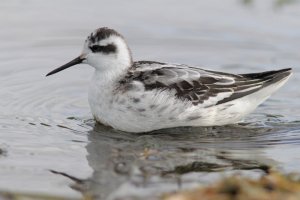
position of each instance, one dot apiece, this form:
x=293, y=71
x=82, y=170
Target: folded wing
x=200, y=87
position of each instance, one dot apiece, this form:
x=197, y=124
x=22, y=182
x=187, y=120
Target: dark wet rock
x=270, y=186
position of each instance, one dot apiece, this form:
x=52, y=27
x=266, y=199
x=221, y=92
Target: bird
x=143, y=96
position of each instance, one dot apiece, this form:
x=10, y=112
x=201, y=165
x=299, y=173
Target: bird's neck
x=110, y=75
x=109, y=68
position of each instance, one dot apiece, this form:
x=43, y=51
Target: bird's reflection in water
x=145, y=165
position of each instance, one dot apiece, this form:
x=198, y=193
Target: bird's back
x=200, y=87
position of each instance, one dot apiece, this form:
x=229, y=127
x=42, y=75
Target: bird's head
x=104, y=49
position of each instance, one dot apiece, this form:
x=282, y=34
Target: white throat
x=114, y=64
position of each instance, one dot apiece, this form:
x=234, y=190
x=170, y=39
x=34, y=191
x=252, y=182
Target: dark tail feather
x=278, y=74
x=264, y=79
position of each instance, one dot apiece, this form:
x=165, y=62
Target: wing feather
x=201, y=87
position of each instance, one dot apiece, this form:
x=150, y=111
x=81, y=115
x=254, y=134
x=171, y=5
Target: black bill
x=76, y=61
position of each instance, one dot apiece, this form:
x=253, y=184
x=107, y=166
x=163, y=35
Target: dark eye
x=96, y=48
x=110, y=48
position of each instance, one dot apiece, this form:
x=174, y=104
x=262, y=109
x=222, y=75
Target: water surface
x=46, y=128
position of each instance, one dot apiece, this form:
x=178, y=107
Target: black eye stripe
x=95, y=48
x=110, y=48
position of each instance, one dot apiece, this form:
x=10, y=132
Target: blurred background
x=46, y=124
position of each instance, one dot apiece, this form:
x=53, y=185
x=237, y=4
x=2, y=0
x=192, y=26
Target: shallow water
x=46, y=124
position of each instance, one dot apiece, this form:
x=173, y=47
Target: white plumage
x=144, y=96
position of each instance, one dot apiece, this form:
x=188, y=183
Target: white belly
x=142, y=111
x=152, y=111
x=135, y=112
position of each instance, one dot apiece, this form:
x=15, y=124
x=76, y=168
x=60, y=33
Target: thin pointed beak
x=76, y=61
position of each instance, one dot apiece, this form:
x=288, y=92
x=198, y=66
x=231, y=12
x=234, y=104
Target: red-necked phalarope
x=145, y=95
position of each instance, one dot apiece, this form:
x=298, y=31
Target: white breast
x=137, y=110
x=140, y=110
